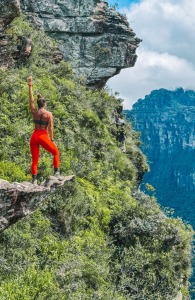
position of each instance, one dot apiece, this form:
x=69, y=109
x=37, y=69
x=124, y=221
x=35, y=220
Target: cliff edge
x=18, y=200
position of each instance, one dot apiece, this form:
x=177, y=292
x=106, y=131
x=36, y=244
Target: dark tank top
x=40, y=121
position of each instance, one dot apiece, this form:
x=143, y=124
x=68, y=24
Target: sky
x=166, y=55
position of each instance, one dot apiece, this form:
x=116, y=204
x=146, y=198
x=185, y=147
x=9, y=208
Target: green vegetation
x=99, y=239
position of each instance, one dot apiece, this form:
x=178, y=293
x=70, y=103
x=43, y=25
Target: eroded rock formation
x=8, y=11
x=95, y=39
x=18, y=200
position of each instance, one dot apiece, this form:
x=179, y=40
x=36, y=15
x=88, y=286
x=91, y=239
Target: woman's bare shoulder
x=49, y=115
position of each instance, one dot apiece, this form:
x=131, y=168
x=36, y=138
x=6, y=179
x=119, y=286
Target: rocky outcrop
x=167, y=125
x=96, y=40
x=8, y=11
x=18, y=200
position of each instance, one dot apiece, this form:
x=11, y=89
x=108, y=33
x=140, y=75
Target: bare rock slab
x=18, y=200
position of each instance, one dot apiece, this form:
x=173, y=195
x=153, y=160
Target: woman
x=43, y=133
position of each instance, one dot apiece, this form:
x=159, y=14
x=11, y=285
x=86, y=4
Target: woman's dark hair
x=40, y=101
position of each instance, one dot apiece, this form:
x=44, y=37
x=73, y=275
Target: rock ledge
x=18, y=200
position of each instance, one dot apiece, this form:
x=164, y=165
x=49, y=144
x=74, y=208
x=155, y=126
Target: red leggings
x=40, y=138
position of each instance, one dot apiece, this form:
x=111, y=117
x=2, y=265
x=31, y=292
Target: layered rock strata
x=18, y=200
x=95, y=39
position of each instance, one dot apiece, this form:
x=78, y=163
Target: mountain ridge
x=166, y=122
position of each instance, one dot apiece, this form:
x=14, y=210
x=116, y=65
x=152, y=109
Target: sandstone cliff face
x=96, y=40
x=167, y=125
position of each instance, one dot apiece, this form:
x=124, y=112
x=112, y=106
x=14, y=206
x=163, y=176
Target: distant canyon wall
x=167, y=125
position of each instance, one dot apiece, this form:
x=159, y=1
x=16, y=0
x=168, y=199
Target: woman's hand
x=29, y=80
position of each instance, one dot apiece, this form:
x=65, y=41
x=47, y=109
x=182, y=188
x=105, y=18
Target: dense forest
x=101, y=238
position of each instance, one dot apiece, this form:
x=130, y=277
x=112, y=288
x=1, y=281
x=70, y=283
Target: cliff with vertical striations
x=167, y=125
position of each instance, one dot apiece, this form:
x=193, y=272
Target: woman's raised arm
x=31, y=97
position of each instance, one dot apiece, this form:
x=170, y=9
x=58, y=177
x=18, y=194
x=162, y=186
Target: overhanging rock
x=18, y=200
x=95, y=39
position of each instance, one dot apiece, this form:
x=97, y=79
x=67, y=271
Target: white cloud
x=153, y=70
x=166, y=56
